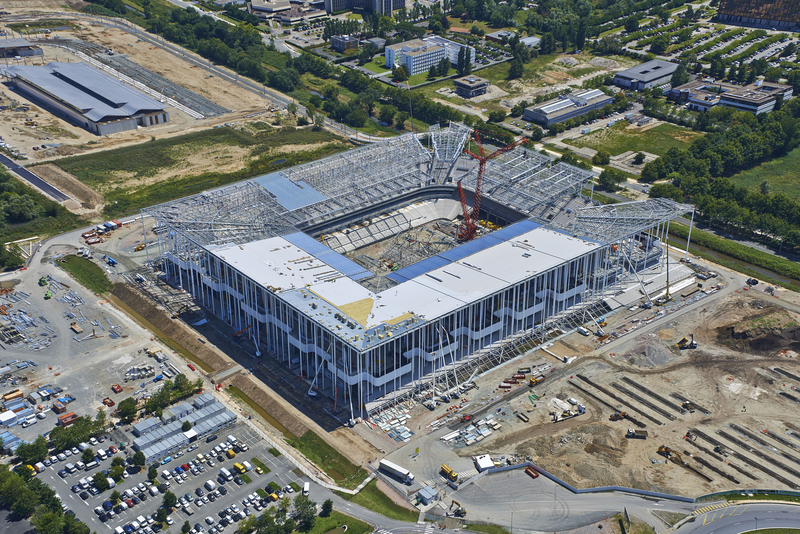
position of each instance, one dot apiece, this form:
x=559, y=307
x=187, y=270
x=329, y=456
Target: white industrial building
x=282, y=256
x=87, y=97
x=159, y=438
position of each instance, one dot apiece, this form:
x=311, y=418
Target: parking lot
x=280, y=471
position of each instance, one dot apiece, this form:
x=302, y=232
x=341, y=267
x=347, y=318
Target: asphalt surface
x=744, y=518
x=32, y=179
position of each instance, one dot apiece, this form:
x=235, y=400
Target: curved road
x=744, y=518
x=32, y=179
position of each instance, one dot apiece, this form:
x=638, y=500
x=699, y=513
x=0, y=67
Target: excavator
x=460, y=511
x=618, y=416
x=671, y=455
x=688, y=406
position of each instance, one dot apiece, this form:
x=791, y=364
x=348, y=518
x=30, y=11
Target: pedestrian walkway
x=705, y=509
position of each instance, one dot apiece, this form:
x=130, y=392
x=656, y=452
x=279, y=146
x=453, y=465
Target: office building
x=645, y=76
x=566, y=107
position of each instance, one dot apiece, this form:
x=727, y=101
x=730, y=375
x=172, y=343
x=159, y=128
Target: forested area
x=738, y=140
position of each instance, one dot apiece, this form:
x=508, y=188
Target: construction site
x=396, y=271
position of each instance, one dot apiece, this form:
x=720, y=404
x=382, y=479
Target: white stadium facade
x=348, y=269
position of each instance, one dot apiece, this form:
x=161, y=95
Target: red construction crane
x=469, y=226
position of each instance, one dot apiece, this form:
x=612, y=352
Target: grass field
x=377, y=65
x=342, y=470
x=261, y=493
x=295, y=486
x=125, y=194
x=372, y=498
x=88, y=273
x=262, y=465
x=274, y=452
x=782, y=175
x=488, y=529
x=337, y=521
x=619, y=138
x=247, y=479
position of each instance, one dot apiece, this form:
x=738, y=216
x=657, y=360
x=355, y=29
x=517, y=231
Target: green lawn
x=782, y=175
x=247, y=479
x=335, y=523
x=88, y=273
x=372, y=498
x=354, y=16
x=619, y=138
x=376, y=65
x=343, y=471
x=274, y=452
x=262, y=465
x=261, y=493
x=274, y=486
x=295, y=486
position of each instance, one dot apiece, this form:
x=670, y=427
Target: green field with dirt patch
x=782, y=174
x=621, y=138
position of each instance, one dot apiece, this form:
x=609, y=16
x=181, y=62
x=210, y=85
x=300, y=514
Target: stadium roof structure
x=15, y=42
x=298, y=199
x=96, y=95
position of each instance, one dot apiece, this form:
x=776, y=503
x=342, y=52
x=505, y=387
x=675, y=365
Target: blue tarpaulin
x=345, y=266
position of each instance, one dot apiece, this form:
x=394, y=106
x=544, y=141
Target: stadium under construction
x=379, y=274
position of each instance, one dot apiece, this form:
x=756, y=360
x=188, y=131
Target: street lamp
x=756, y=523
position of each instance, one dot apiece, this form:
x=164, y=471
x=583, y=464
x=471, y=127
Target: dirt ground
x=63, y=139
x=90, y=201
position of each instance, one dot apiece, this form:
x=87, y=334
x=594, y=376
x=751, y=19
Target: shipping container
x=395, y=470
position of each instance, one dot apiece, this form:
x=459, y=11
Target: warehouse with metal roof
x=87, y=97
x=645, y=76
x=567, y=107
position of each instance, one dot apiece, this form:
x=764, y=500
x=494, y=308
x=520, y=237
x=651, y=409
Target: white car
x=170, y=521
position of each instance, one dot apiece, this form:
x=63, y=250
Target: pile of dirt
x=604, y=63
x=765, y=328
x=787, y=339
x=267, y=400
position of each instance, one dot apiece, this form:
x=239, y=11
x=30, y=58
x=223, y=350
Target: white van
x=306, y=487
x=102, y=454
x=119, y=530
x=92, y=465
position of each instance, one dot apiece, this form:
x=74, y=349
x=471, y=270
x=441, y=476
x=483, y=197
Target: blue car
x=166, y=460
x=178, y=470
x=107, y=506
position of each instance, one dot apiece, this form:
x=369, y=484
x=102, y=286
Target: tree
x=248, y=524
x=25, y=502
x=319, y=122
x=170, y=500
x=31, y=453
x=115, y=496
x=186, y=527
x=444, y=66
x=609, y=179
x=116, y=472
x=433, y=72
x=666, y=191
x=680, y=76
x=631, y=24
x=497, y=116
x=306, y=511
x=639, y=158
x=659, y=44
x=127, y=408
x=117, y=460
x=47, y=521
x=399, y=73
x=187, y=426
x=548, y=44
x=161, y=515
x=291, y=107
x=139, y=459
x=87, y=455
x=152, y=474
x=327, y=508
x=402, y=117
x=387, y=114
x=601, y=158
x=516, y=69
x=100, y=481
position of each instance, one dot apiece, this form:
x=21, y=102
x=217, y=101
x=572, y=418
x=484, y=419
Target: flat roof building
x=371, y=336
x=566, y=107
x=645, y=76
x=758, y=97
x=471, y=85
x=267, y=9
x=87, y=97
x=418, y=55
x=343, y=42
x=382, y=7
x=10, y=48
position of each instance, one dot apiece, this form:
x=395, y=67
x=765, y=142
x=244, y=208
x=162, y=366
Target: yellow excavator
x=460, y=511
x=671, y=455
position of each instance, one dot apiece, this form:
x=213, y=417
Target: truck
x=535, y=380
x=636, y=434
x=225, y=474
x=396, y=471
x=83, y=446
x=239, y=468
x=583, y=331
x=39, y=466
x=247, y=466
x=111, y=483
x=109, y=260
x=449, y=472
x=210, y=485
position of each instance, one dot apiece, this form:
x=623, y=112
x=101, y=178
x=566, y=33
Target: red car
x=185, y=467
x=113, y=450
x=129, y=503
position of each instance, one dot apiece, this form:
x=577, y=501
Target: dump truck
x=535, y=380
x=449, y=472
x=636, y=434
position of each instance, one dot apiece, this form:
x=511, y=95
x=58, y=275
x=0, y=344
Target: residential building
x=343, y=43
x=471, y=85
x=566, y=107
x=417, y=55
x=645, y=76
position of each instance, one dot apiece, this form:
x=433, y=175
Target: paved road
x=744, y=518
x=33, y=180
